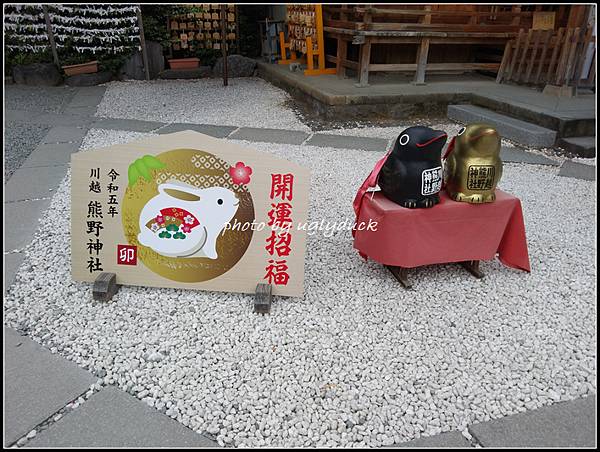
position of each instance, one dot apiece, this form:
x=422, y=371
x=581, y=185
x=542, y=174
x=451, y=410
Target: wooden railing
x=540, y=57
x=472, y=18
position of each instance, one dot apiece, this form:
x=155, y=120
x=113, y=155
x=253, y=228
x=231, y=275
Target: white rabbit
x=212, y=207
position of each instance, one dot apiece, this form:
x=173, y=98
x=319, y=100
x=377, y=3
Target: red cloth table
x=448, y=232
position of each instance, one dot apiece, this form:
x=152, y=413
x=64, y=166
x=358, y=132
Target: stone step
x=508, y=127
x=580, y=146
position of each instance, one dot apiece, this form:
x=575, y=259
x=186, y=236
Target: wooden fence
x=553, y=57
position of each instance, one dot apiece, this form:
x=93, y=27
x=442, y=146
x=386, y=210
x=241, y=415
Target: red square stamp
x=126, y=255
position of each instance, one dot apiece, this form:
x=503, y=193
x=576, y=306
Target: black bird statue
x=412, y=174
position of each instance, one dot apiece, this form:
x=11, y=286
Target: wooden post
x=505, y=58
x=143, y=42
x=364, y=61
x=224, y=41
x=320, y=38
x=50, y=36
x=309, y=54
x=555, y=51
x=342, y=53
x=547, y=38
x=534, y=50
x=422, y=62
x=523, y=56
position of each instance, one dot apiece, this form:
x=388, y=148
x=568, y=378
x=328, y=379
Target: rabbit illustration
x=184, y=221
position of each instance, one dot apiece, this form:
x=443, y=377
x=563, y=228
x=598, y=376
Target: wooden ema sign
x=543, y=20
x=187, y=210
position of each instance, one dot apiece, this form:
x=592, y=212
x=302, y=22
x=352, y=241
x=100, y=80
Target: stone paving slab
x=65, y=134
x=86, y=99
x=515, y=155
x=443, y=440
x=133, y=125
x=113, y=418
x=269, y=135
x=508, y=127
x=208, y=129
x=12, y=262
x=51, y=155
x=566, y=424
x=33, y=183
x=578, y=170
x=61, y=120
x=36, y=383
x=21, y=221
x=348, y=142
x=83, y=111
x=20, y=115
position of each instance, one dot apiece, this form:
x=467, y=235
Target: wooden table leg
x=400, y=273
x=473, y=268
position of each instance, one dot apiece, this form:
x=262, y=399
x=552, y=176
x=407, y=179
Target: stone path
x=49, y=402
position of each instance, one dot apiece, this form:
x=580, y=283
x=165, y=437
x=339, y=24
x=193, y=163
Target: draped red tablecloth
x=448, y=232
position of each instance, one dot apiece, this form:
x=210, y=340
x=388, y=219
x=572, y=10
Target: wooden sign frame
x=264, y=186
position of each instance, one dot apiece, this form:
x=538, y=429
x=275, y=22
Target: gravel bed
x=47, y=99
x=20, y=139
x=358, y=361
x=246, y=102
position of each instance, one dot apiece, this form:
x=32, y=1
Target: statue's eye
x=404, y=139
x=462, y=130
x=219, y=201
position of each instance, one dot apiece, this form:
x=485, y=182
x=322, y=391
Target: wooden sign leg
x=473, y=268
x=105, y=286
x=263, y=298
x=400, y=273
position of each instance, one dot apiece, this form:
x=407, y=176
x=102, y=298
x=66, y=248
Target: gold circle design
x=183, y=165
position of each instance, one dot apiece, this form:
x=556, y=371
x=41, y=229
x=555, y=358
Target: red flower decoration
x=159, y=219
x=185, y=228
x=240, y=173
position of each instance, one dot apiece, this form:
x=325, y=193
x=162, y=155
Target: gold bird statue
x=472, y=165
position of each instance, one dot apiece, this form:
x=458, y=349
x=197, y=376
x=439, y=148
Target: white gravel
x=246, y=102
x=358, y=361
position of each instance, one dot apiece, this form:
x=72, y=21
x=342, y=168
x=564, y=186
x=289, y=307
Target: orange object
x=184, y=63
x=84, y=68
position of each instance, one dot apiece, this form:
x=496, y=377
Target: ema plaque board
x=187, y=210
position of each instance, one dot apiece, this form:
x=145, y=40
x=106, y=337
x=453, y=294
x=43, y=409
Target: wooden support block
x=400, y=273
x=105, y=286
x=473, y=268
x=263, y=298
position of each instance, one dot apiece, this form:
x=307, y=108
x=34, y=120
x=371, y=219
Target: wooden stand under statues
x=305, y=33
